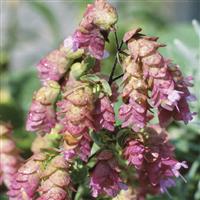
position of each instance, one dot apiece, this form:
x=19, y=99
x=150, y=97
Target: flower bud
x=78, y=69
x=41, y=118
x=53, y=66
x=48, y=93
x=105, y=15
x=154, y=160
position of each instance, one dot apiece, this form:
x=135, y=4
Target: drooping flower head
x=53, y=66
x=75, y=115
x=55, y=180
x=148, y=72
x=134, y=111
x=154, y=161
x=41, y=116
x=104, y=114
x=27, y=179
x=169, y=89
x=105, y=179
x=94, y=28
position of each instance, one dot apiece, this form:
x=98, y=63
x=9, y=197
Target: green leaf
x=91, y=77
x=194, y=168
x=106, y=87
x=3, y=197
x=94, y=149
x=197, y=193
x=79, y=174
x=96, y=79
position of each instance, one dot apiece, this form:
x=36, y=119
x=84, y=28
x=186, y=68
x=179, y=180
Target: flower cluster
x=55, y=180
x=73, y=115
x=134, y=112
x=154, y=161
x=147, y=70
x=10, y=159
x=94, y=28
x=104, y=115
x=105, y=177
x=53, y=66
x=27, y=179
x=41, y=116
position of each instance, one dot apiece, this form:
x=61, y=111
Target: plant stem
x=114, y=79
x=113, y=71
x=116, y=58
x=117, y=41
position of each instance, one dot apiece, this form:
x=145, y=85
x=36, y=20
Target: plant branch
x=113, y=71
x=117, y=41
x=118, y=77
x=116, y=58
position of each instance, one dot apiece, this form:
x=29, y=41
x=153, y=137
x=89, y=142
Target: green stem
x=116, y=59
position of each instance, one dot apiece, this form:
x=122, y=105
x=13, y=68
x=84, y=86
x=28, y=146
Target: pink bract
x=105, y=177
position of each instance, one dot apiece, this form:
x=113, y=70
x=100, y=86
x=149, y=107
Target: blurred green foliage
x=183, y=42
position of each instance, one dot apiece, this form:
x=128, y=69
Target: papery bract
x=134, y=152
x=134, y=111
x=104, y=114
x=105, y=177
x=27, y=179
x=53, y=66
x=75, y=114
x=40, y=118
x=169, y=90
x=155, y=162
x=55, y=180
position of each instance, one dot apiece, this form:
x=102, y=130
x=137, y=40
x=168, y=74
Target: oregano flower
x=55, y=180
x=74, y=112
x=169, y=91
x=27, y=179
x=154, y=161
x=134, y=111
x=41, y=116
x=104, y=114
x=75, y=115
x=105, y=177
